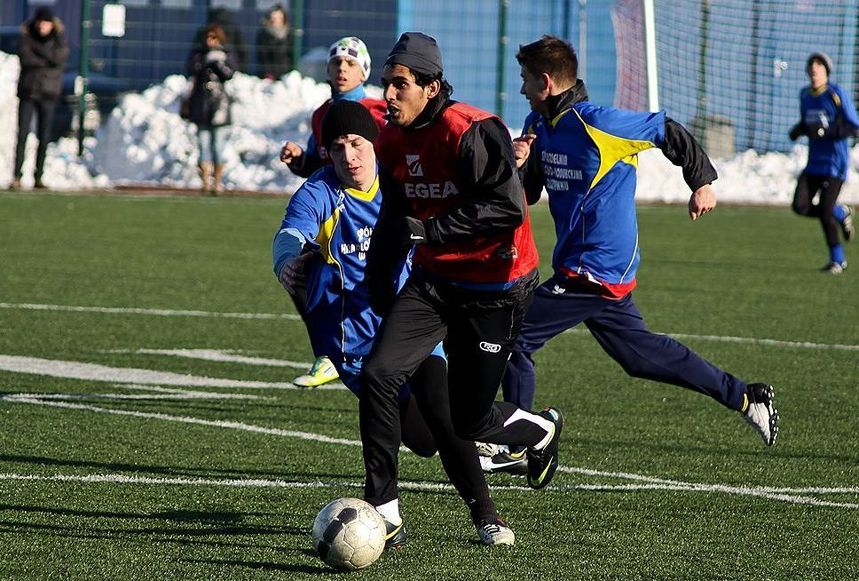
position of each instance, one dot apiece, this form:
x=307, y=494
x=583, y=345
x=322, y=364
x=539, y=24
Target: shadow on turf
x=282, y=567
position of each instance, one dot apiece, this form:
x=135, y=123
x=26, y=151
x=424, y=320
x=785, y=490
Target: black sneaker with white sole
x=395, y=535
x=543, y=463
x=760, y=412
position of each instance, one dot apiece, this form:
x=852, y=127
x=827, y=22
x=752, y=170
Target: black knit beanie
x=345, y=117
x=43, y=14
x=418, y=52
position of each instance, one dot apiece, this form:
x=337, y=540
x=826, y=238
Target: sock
x=840, y=212
x=836, y=253
x=391, y=512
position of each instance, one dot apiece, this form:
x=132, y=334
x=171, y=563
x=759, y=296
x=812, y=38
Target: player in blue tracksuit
x=331, y=218
x=585, y=156
x=827, y=118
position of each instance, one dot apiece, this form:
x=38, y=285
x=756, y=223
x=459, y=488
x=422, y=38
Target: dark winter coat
x=42, y=62
x=274, y=52
x=209, y=103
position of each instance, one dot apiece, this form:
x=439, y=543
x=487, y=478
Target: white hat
x=354, y=48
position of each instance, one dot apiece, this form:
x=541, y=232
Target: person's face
x=277, y=19
x=535, y=89
x=344, y=74
x=817, y=74
x=405, y=98
x=212, y=41
x=44, y=27
x=354, y=161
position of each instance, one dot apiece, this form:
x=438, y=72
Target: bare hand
x=522, y=148
x=702, y=201
x=292, y=270
x=290, y=151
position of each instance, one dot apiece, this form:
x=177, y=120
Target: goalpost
x=731, y=70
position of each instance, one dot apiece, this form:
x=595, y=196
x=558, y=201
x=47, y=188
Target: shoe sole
x=847, y=226
x=551, y=467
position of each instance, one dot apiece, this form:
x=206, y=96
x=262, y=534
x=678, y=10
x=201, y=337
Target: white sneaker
x=486, y=450
x=760, y=412
x=495, y=532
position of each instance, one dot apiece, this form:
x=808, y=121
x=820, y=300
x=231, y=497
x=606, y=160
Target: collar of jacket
x=432, y=110
x=575, y=94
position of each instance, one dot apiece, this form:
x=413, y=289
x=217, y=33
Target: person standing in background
x=274, y=44
x=827, y=118
x=43, y=52
x=210, y=67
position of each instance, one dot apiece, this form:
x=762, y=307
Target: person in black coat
x=210, y=67
x=43, y=52
x=233, y=34
x=274, y=44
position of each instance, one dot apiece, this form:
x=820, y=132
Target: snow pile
x=145, y=142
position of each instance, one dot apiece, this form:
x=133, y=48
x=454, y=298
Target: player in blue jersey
x=348, y=69
x=331, y=219
x=827, y=118
x=585, y=156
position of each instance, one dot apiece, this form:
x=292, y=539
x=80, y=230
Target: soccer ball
x=349, y=534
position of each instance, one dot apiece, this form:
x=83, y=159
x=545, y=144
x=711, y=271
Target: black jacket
x=274, y=53
x=209, y=103
x=42, y=62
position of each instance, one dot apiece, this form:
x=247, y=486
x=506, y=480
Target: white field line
x=217, y=355
x=788, y=495
x=154, y=312
x=96, y=372
x=290, y=317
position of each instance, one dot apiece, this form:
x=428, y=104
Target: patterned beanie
x=354, y=48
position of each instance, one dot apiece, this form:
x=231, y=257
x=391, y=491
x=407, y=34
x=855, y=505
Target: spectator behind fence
x=211, y=65
x=43, y=52
x=234, y=38
x=274, y=44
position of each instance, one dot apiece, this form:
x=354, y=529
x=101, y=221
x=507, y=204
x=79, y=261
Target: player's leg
x=622, y=333
x=458, y=456
x=408, y=334
x=26, y=109
x=554, y=310
x=803, y=196
x=830, y=223
x=481, y=335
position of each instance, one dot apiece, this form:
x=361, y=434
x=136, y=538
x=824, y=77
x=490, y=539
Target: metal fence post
x=84, y=70
x=500, y=95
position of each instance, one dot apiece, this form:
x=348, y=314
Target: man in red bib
x=451, y=191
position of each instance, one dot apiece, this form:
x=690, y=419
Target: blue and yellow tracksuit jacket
x=586, y=157
x=830, y=110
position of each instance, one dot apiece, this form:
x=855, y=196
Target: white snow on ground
x=145, y=142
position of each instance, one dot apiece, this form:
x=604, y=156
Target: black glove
x=816, y=132
x=414, y=231
x=797, y=131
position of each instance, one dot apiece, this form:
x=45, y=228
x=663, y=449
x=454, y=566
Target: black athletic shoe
x=760, y=412
x=835, y=267
x=505, y=461
x=395, y=535
x=543, y=463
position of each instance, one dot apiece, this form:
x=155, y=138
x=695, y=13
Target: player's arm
x=846, y=122
x=294, y=242
x=494, y=201
x=681, y=148
x=528, y=163
x=302, y=162
x=389, y=244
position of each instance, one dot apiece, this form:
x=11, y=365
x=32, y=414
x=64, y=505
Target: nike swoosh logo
x=507, y=463
x=543, y=475
x=415, y=237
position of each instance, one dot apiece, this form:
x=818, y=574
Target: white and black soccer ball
x=349, y=534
